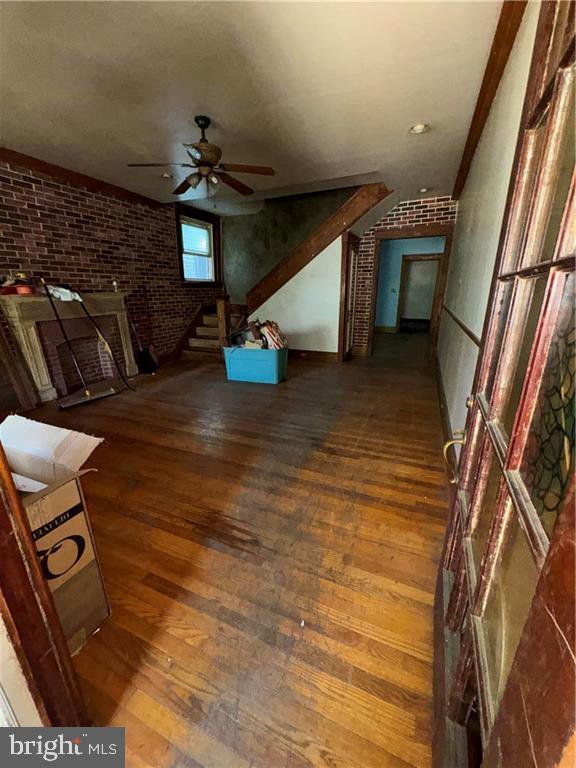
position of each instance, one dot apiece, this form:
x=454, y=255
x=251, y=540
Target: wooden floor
x=270, y=554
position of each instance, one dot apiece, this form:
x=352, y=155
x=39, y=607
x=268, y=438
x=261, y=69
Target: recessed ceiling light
x=167, y=175
x=422, y=190
x=419, y=128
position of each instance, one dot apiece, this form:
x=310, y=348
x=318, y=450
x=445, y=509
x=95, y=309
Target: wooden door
x=509, y=559
x=350, y=247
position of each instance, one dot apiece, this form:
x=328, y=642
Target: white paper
x=44, y=452
x=26, y=484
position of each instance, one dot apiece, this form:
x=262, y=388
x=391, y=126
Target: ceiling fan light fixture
x=423, y=190
x=419, y=128
x=205, y=164
x=193, y=151
x=194, y=179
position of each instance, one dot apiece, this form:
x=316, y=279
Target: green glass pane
x=530, y=326
x=501, y=308
x=509, y=599
x=487, y=507
x=548, y=460
x=563, y=177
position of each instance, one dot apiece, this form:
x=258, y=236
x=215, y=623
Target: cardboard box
x=46, y=460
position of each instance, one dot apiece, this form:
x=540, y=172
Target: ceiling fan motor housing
x=211, y=153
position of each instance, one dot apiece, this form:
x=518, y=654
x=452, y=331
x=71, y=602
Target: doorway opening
x=407, y=284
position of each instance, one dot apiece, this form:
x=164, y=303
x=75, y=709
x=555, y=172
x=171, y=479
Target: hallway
x=270, y=555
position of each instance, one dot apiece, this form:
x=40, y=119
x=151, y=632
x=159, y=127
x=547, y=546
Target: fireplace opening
x=90, y=352
x=93, y=360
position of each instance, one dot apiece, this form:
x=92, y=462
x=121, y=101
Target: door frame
x=522, y=723
x=406, y=233
x=28, y=611
x=349, y=239
x=406, y=259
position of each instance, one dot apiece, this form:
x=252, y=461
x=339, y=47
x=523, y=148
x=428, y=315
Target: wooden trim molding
x=28, y=611
x=471, y=335
x=504, y=37
x=349, y=241
x=216, y=222
x=80, y=180
x=447, y=433
x=358, y=204
x=18, y=374
x=313, y=356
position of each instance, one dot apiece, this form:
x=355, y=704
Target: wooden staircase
x=362, y=201
x=203, y=339
x=210, y=330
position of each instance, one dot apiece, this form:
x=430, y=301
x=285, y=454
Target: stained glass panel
x=548, y=459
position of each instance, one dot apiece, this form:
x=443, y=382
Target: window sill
x=206, y=283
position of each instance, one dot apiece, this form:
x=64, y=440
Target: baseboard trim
x=385, y=329
x=313, y=356
x=360, y=352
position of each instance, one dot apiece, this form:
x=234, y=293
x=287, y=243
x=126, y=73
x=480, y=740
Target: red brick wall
x=405, y=215
x=88, y=239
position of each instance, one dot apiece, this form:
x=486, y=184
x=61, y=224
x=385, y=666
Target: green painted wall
x=253, y=244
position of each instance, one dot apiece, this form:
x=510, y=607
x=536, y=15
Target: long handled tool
x=87, y=396
x=104, y=341
x=146, y=357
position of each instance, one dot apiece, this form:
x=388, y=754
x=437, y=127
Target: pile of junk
x=258, y=353
x=257, y=335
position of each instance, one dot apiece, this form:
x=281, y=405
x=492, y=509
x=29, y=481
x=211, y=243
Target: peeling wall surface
x=253, y=244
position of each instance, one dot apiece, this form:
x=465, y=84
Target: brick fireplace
x=45, y=350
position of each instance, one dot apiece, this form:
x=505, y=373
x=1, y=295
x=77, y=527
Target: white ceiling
x=324, y=92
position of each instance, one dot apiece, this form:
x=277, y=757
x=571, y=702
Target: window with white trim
x=197, y=244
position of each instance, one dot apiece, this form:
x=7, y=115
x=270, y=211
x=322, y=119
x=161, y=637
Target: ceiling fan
x=207, y=166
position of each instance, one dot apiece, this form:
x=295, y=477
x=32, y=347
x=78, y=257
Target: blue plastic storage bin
x=264, y=366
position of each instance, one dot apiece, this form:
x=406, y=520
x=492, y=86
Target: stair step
x=202, y=355
x=203, y=343
x=207, y=330
x=211, y=320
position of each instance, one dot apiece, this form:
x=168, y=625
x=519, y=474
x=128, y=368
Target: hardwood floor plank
x=270, y=554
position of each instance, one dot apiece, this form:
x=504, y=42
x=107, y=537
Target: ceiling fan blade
x=263, y=170
x=181, y=188
x=235, y=184
x=158, y=165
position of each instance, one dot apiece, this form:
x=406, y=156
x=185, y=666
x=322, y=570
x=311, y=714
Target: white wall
x=419, y=290
x=17, y=707
x=307, y=307
x=478, y=225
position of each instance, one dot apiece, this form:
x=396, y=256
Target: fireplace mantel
x=24, y=312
